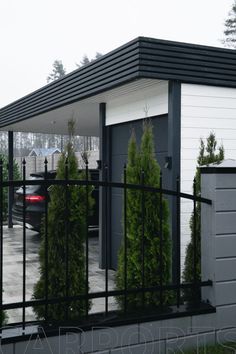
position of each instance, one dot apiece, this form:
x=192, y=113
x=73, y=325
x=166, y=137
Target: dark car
x=35, y=203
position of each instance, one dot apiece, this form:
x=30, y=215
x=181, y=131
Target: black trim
x=218, y=170
x=109, y=199
x=174, y=129
x=174, y=141
x=140, y=58
x=102, y=157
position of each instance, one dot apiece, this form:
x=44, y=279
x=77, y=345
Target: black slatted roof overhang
x=111, y=70
x=187, y=63
x=140, y=58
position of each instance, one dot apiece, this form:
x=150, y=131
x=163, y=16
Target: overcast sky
x=33, y=33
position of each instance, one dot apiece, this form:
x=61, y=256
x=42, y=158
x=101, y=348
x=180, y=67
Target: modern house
x=187, y=90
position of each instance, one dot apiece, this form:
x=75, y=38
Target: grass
x=226, y=348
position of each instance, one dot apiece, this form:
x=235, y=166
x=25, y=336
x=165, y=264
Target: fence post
x=218, y=240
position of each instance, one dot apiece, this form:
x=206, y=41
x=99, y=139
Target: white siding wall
x=148, y=101
x=204, y=109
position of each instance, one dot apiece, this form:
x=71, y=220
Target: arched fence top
x=176, y=285
x=74, y=182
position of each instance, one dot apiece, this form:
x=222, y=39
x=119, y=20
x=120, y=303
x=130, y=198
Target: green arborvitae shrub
x=138, y=161
x=16, y=176
x=75, y=219
x=208, y=153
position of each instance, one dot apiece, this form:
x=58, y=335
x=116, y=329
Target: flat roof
x=141, y=58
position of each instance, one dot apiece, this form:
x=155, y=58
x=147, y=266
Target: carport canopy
x=85, y=114
x=77, y=95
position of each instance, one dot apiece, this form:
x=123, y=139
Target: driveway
x=13, y=270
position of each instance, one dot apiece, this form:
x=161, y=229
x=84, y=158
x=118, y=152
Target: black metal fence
x=176, y=287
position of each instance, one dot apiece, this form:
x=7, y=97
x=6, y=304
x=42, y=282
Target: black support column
x=10, y=177
x=104, y=197
x=174, y=145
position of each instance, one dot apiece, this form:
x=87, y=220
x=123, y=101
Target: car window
x=31, y=189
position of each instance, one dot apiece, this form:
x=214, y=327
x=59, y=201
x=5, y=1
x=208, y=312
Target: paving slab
x=13, y=271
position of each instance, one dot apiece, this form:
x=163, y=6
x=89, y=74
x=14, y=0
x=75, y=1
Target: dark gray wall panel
x=120, y=135
x=118, y=162
x=122, y=132
x=117, y=215
x=115, y=245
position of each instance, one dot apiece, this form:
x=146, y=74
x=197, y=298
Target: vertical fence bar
x=161, y=240
x=125, y=239
x=10, y=177
x=195, y=239
x=143, y=238
x=46, y=238
x=106, y=242
x=1, y=239
x=67, y=236
x=178, y=241
x=24, y=246
x=87, y=240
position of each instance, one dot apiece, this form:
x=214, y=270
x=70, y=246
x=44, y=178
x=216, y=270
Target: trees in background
x=3, y=142
x=16, y=176
x=25, y=142
x=58, y=71
x=81, y=143
x=144, y=267
x=230, y=28
x=85, y=60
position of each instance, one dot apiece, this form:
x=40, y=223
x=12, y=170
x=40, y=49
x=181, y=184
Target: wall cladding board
x=193, y=122
x=197, y=132
x=205, y=109
x=148, y=102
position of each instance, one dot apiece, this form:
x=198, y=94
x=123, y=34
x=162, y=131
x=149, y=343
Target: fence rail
x=160, y=288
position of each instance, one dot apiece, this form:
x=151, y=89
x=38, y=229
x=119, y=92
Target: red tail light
x=34, y=198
